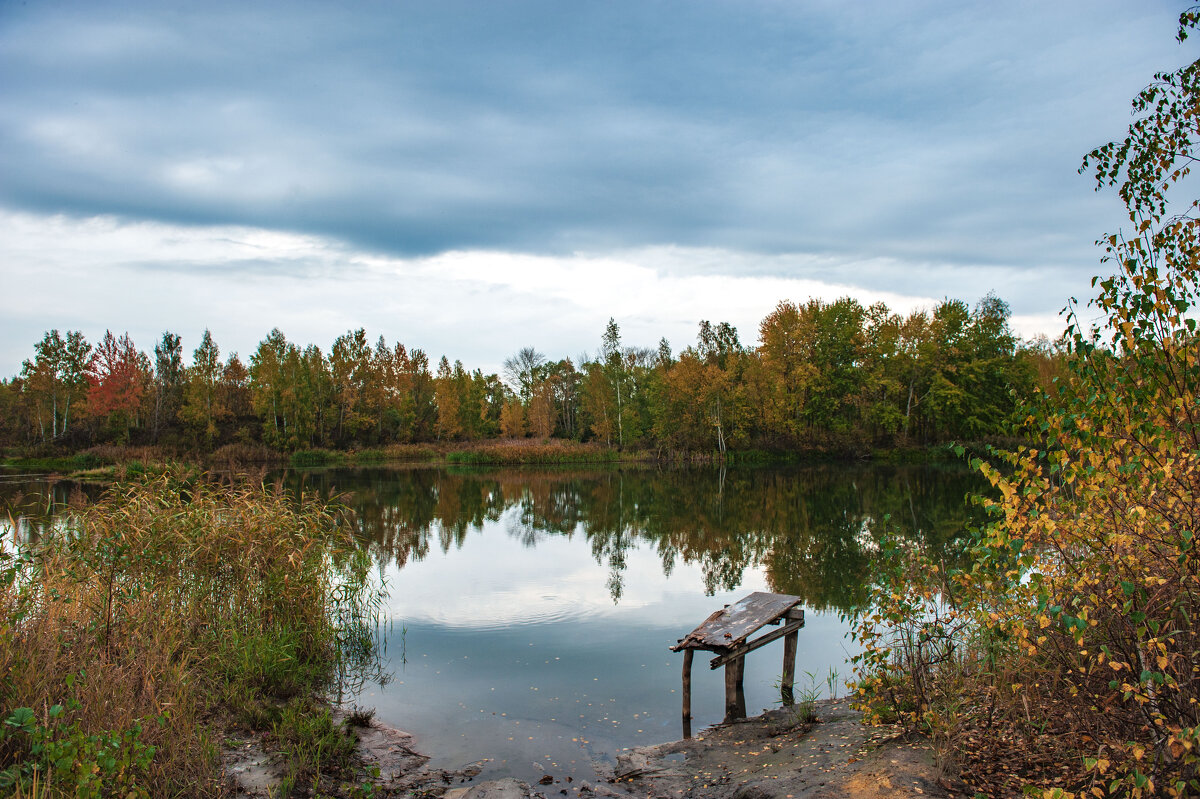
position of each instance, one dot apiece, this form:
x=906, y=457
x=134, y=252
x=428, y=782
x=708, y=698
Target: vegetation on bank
x=1063, y=660
x=140, y=630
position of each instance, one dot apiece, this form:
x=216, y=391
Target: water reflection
x=812, y=530
x=30, y=504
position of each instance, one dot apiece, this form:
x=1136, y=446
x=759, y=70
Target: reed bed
x=143, y=626
x=518, y=451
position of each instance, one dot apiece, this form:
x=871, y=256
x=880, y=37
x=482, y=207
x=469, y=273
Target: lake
x=528, y=612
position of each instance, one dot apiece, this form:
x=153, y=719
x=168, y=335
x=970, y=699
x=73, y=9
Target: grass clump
x=139, y=628
x=394, y=453
x=316, y=457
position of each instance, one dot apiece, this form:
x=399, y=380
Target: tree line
x=826, y=374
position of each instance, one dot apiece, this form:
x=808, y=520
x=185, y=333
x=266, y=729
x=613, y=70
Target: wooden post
x=731, y=681
x=687, y=693
x=742, y=694
x=789, y=669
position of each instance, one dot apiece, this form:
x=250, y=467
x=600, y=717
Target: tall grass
x=144, y=623
x=516, y=451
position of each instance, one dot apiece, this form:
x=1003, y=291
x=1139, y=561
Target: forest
x=829, y=376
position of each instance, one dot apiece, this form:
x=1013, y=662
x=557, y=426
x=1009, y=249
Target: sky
x=471, y=178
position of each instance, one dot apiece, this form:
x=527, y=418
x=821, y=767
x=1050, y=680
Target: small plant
x=61, y=756
x=312, y=743
x=802, y=700
x=833, y=681
x=360, y=716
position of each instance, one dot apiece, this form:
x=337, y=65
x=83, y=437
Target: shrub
x=1071, y=641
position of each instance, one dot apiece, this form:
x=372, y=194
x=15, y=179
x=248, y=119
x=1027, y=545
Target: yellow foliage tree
x=1075, y=627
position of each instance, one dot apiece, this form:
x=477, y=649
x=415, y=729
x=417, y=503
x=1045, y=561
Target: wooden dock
x=726, y=633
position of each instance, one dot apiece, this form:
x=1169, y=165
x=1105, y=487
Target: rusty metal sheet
x=731, y=626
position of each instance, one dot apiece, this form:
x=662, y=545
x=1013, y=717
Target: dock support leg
x=687, y=693
x=789, y=669
x=742, y=692
x=735, y=694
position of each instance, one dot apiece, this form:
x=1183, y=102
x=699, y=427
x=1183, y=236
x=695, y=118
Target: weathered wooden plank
x=728, y=628
x=750, y=646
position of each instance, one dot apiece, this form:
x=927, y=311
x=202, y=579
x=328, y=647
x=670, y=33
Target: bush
x=1070, y=645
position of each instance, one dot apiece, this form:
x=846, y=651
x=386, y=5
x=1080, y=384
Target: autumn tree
x=562, y=381
x=118, y=378
x=350, y=368
x=695, y=398
x=541, y=409
x=310, y=396
x=512, y=419
x=783, y=334
x=235, y=389
x=449, y=402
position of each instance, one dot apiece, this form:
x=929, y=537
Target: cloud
x=420, y=128
x=669, y=161
x=479, y=306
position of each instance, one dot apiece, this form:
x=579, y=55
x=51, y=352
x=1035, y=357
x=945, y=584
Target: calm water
x=529, y=611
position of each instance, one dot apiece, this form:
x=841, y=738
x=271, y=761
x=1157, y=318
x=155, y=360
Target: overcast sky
x=472, y=178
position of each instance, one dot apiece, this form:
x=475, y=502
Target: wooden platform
x=727, y=633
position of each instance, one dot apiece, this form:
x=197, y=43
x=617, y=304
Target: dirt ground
x=777, y=755
x=772, y=756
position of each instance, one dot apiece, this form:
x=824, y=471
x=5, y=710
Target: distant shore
x=112, y=462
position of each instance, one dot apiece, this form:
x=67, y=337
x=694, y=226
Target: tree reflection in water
x=812, y=529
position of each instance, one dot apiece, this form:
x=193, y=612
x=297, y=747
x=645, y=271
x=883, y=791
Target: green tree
x=613, y=371
x=202, y=400
x=271, y=381
x=169, y=379
x=55, y=379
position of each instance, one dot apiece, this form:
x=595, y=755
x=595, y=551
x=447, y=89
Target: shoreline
x=776, y=755
x=110, y=464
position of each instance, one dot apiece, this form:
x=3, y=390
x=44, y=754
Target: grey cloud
x=933, y=132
